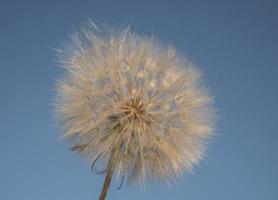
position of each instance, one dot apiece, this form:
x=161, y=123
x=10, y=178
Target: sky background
x=235, y=43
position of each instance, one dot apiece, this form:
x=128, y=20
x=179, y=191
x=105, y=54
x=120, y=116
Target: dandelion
x=133, y=106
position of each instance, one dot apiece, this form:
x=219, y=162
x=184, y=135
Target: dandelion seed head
x=125, y=97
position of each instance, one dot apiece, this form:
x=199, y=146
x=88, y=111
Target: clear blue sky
x=235, y=43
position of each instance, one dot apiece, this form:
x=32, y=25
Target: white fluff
x=128, y=100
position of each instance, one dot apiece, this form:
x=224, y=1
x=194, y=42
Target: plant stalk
x=107, y=181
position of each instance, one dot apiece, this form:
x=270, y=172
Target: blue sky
x=235, y=43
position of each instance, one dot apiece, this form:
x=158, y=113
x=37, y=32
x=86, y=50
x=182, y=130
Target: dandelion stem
x=107, y=181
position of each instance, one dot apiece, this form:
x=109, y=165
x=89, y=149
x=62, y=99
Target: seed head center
x=134, y=108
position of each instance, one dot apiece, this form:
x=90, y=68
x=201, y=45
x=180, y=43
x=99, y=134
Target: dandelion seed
x=132, y=105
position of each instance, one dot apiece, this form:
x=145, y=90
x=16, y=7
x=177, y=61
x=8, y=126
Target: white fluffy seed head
x=127, y=99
